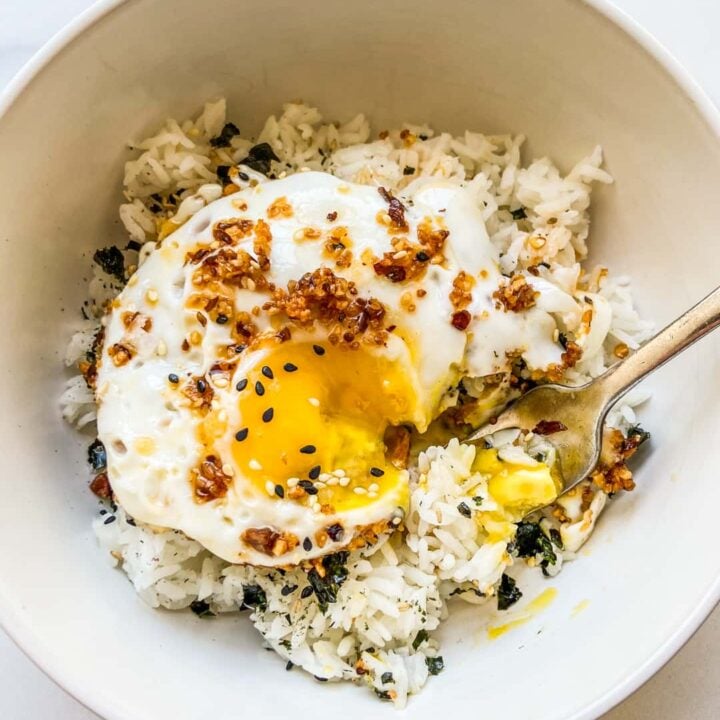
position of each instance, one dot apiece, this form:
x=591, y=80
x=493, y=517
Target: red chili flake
x=394, y=273
x=100, y=485
x=548, y=427
x=396, y=210
x=284, y=334
x=461, y=320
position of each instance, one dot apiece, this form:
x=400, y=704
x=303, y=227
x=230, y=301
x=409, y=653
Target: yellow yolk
x=310, y=410
x=518, y=488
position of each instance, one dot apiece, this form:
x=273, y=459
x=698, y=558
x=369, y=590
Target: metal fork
x=580, y=411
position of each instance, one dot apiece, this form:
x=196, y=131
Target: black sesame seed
x=308, y=487
x=306, y=592
x=267, y=416
x=289, y=367
x=308, y=449
x=243, y=176
x=386, y=677
x=173, y=378
x=314, y=473
x=241, y=385
x=109, y=519
x=103, y=511
x=221, y=319
x=259, y=388
x=201, y=386
x=280, y=491
x=130, y=521
x=288, y=590
x=335, y=532
x=267, y=372
x=289, y=665
x=240, y=435
x=319, y=349
x=376, y=472
x=464, y=509
x=307, y=546
x=422, y=256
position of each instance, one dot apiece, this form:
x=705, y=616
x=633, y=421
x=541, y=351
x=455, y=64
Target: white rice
x=396, y=592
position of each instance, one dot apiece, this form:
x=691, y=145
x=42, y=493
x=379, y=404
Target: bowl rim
x=55, y=669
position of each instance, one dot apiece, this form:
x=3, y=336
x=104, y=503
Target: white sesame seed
x=319, y=484
x=372, y=494
x=374, y=487
x=151, y=296
x=270, y=488
x=400, y=254
x=255, y=465
x=332, y=481
x=292, y=482
x=228, y=469
x=161, y=349
x=222, y=416
x=250, y=284
x=221, y=382
x=338, y=473
x=344, y=481
x=326, y=477
x=314, y=402
x=360, y=491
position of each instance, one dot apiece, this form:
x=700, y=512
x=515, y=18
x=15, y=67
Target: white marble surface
x=688, y=688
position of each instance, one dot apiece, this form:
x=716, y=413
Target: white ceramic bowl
x=567, y=74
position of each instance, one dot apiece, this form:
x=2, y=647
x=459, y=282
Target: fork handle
x=676, y=337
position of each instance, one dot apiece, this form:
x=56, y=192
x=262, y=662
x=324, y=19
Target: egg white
x=151, y=435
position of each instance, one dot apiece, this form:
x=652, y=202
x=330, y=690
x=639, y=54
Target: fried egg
x=261, y=368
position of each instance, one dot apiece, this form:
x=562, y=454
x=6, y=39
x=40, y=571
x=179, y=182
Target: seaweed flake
x=97, y=457
x=254, y=598
x=326, y=588
x=201, y=609
x=508, y=593
x=259, y=158
x=435, y=665
x=111, y=260
x=420, y=638
x=229, y=131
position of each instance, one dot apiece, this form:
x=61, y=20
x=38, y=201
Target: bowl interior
x=561, y=73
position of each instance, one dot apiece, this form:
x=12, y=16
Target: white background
x=688, y=688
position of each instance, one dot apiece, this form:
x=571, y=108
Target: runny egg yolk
x=519, y=488
x=309, y=410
